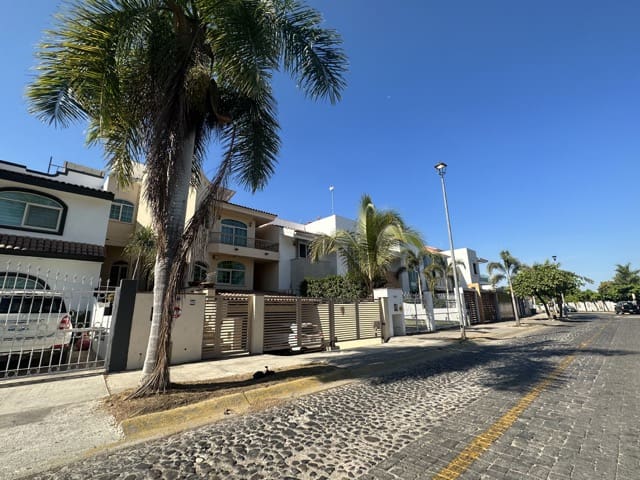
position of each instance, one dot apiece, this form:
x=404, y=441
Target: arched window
x=118, y=272
x=28, y=210
x=200, y=272
x=21, y=281
x=230, y=273
x=234, y=233
x=122, y=211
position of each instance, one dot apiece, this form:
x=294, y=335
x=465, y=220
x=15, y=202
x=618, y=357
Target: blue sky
x=535, y=107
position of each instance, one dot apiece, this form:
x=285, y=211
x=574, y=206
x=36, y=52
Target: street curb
x=168, y=422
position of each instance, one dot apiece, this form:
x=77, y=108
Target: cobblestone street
x=582, y=425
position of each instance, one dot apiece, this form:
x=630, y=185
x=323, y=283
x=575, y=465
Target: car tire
x=62, y=356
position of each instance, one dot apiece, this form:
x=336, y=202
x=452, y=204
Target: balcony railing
x=237, y=241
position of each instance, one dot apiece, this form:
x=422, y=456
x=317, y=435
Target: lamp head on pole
x=554, y=258
x=441, y=168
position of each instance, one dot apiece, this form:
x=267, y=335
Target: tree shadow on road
x=514, y=367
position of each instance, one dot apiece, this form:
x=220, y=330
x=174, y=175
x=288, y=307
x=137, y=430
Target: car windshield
x=20, y=304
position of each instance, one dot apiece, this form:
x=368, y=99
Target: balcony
x=256, y=248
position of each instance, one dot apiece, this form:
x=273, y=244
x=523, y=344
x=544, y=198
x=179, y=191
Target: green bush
x=334, y=286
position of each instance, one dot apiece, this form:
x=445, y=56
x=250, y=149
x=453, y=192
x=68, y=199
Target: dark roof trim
x=249, y=208
x=50, y=248
x=55, y=184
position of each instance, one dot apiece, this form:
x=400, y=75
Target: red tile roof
x=51, y=248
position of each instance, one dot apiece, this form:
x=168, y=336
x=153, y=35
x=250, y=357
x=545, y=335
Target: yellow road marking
x=482, y=442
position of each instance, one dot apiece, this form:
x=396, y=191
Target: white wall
x=75, y=280
x=468, y=257
x=328, y=226
x=186, y=335
x=60, y=274
x=287, y=249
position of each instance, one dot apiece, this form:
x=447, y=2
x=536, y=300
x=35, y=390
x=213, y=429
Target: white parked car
x=311, y=337
x=34, y=321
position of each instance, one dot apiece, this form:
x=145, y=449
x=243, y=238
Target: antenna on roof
x=331, y=190
x=51, y=164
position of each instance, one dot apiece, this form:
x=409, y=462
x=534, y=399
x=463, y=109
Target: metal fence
x=298, y=323
x=416, y=317
x=51, y=322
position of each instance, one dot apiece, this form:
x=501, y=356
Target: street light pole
x=331, y=188
x=441, y=168
x=561, y=310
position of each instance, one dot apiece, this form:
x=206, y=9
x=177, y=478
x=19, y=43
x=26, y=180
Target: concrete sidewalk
x=38, y=414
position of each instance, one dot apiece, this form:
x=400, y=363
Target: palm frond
x=310, y=53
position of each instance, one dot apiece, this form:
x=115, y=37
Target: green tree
x=625, y=283
x=506, y=269
x=156, y=79
x=546, y=282
x=367, y=252
x=626, y=276
x=435, y=271
x=141, y=248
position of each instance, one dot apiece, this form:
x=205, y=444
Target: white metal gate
x=52, y=323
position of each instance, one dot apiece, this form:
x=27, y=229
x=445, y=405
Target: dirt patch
x=182, y=394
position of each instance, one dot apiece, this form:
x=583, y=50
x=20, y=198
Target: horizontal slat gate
x=279, y=316
x=226, y=326
x=369, y=319
x=323, y=313
x=346, y=322
x=293, y=324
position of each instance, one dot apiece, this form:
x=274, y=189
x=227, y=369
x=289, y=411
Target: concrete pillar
x=120, y=329
x=256, y=323
x=392, y=314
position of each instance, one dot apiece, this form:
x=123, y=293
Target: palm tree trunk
x=155, y=372
x=135, y=269
x=446, y=296
x=513, y=301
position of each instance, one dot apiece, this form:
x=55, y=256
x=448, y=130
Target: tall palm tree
x=506, y=270
x=625, y=275
x=156, y=79
x=369, y=251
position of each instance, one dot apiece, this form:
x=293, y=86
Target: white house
x=468, y=266
x=52, y=226
x=294, y=240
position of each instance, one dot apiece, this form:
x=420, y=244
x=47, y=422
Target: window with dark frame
x=233, y=232
x=230, y=273
x=122, y=211
x=30, y=211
